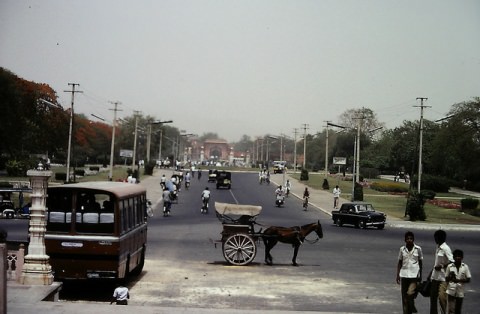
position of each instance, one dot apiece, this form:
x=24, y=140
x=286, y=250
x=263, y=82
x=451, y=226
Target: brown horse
x=293, y=235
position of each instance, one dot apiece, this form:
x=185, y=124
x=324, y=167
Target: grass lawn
x=394, y=205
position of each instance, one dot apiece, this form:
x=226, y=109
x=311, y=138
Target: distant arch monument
x=216, y=149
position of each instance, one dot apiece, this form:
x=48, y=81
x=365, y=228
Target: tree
x=457, y=144
x=28, y=125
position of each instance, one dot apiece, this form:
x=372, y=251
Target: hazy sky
x=248, y=66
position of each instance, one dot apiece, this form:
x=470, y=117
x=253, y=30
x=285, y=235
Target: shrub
x=434, y=183
x=469, y=203
x=80, y=172
x=358, y=192
x=391, y=187
x=428, y=194
x=415, y=206
x=61, y=176
x=149, y=168
x=304, y=175
x=325, y=185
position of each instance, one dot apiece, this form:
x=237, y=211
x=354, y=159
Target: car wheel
x=380, y=227
x=363, y=224
x=338, y=222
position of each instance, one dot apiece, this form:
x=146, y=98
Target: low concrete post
x=3, y=271
x=36, y=269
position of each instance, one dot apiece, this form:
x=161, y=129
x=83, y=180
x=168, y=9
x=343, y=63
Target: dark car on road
x=360, y=215
x=224, y=179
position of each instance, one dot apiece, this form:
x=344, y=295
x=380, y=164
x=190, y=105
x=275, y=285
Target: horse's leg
x=269, y=244
x=295, y=252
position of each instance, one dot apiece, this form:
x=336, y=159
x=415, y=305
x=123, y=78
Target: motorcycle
x=280, y=200
x=305, y=203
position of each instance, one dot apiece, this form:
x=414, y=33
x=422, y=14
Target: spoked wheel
x=239, y=249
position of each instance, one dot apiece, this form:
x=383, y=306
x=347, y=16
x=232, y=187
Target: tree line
x=32, y=127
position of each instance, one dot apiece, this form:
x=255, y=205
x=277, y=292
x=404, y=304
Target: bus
x=96, y=230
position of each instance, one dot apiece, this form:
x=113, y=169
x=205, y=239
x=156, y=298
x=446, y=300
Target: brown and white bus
x=96, y=230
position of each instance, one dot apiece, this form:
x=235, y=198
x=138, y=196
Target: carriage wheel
x=239, y=249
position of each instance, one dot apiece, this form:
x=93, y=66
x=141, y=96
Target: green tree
x=457, y=145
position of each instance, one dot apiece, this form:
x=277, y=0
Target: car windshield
x=365, y=208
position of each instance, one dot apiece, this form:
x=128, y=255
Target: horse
x=293, y=235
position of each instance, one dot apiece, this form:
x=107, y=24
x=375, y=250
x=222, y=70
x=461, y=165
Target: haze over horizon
x=248, y=67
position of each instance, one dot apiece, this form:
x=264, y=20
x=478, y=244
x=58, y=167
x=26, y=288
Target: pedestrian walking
x=409, y=272
x=121, y=295
x=443, y=257
x=336, y=196
x=457, y=275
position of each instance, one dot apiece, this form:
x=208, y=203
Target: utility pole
x=69, y=151
x=421, y=142
x=135, y=113
x=295, y=131
x=116, y=103
x=357, y=147
x=305, y=127
x=326, y=149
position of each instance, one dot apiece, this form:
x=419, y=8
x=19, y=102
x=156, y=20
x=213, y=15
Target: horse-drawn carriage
x=239, y=237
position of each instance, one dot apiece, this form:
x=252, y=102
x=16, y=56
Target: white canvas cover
x=236, y=209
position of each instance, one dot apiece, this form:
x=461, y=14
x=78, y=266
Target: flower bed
x=445, y=204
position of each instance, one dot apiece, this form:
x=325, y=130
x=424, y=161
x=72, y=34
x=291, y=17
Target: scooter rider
x=167, y=202
x=187, y=180
x=205, y=200
x=280, y=198
x=279, y=191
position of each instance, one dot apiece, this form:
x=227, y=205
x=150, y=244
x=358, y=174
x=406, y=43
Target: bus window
x=91, y=217
x=59, y=211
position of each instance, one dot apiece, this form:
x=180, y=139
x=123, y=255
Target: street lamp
x=149, y=135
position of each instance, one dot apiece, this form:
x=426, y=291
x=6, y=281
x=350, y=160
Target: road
x=349, y=270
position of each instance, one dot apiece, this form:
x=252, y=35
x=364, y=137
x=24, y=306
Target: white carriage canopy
x=236, y=209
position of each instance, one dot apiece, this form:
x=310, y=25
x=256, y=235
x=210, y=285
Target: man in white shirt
x=409, y=271
x=336, y=196
x=121, y=295
x=443, y=257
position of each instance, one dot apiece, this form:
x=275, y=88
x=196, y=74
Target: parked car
x=7, y=208
x=360, y=215
x=224, y=179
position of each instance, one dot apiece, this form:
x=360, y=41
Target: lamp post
x=149, y=135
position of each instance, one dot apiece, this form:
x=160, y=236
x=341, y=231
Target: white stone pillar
x=36, y=269
x=231, y=156
x=202, y=154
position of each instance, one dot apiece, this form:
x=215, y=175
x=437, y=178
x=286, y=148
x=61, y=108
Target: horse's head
x=319, y=230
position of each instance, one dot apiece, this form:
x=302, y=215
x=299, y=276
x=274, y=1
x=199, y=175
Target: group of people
x=172, y=186
x=448, y=275
x=264, y=176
